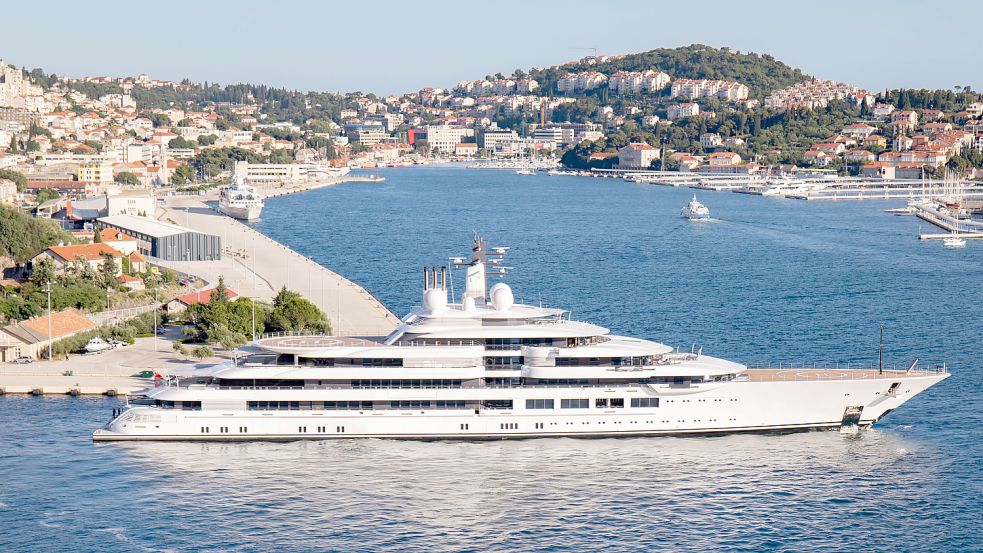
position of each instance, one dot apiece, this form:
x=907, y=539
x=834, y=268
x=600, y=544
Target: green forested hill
x=760, y=72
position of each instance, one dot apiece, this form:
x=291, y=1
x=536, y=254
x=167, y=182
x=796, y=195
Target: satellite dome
x=468, y=304
x=501, y=297
x=435, y=300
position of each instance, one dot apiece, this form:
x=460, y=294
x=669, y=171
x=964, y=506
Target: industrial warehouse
x=165, y=241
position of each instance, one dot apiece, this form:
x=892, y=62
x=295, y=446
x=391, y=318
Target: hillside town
x=65, y=139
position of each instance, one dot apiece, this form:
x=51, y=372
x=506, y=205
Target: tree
x=207, y=140
x=46, y=194
x=182, y=142
x=107, y=269
x=184, y=174
x=202, y=352
x=42, y=271
x=19, y=179
x=96, y=236
x=292, y=312
x=180, y=348
x=126, y=177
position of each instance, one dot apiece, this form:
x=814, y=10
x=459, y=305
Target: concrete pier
x=112, y=372
x=257, y=266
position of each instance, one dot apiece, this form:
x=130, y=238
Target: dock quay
x=965, y=228
x=270, y=192
x=109, y=373
x=257, y=266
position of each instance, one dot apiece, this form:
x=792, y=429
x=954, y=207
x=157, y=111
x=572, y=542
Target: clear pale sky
x=390, y=47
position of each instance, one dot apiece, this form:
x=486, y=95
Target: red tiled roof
x=89, y=252
x=203, y=296
x=113, y=235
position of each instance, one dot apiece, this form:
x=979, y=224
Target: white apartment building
x=443, y=138
x=259, y=174
x=710, y=140
x=679, y=111
x=579, y=82
x=705, y=88
x=636, y=82
x=637, y=155
x=491, y=139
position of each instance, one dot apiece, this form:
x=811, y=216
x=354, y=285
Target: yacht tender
x=487, y=367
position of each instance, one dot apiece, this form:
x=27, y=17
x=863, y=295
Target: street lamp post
x=155, y=313
x=50, y=338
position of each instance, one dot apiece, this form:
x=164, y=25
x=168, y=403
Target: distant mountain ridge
x=761, y=73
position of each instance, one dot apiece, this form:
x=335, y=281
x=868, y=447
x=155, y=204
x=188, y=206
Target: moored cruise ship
x=485, y=367
x=240, y=201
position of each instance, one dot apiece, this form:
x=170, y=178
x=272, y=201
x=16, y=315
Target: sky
x=390, y=47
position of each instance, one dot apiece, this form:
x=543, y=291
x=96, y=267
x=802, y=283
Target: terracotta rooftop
x=203, y=296
x=63, y=323
x=88, y=252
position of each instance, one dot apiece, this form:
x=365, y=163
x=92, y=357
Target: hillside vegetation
x=761, y=73
x=22, y=236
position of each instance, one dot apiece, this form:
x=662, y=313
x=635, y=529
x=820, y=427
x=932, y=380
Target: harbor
x=256, y=266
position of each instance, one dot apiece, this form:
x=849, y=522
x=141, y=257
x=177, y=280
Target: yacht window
x=644, y=402
x=601, y=402
x=539, y=404
x=450, y=404
x=574, y=403
x=497, y=404
x=617, y=402
x=409, y=404
x=347, y=405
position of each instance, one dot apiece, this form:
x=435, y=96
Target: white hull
x=245, y=213
x=711, y=408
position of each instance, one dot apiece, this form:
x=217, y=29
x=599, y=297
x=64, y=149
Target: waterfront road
x=257, y=266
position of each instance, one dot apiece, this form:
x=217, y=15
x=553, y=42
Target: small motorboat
x=695, y=211
x=526, y=172
x=96, y=345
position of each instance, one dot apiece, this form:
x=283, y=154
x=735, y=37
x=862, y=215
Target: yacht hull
x=244, y=213
x=774, y=406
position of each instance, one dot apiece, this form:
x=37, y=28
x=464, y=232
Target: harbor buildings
x=637, y=156
x=166, y=241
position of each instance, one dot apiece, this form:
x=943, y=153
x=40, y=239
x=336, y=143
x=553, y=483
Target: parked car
x=23, y=359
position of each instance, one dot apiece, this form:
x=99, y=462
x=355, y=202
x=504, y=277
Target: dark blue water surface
x=768, y=280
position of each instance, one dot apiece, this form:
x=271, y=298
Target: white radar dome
x=468, y=304
x=501, y=297
x=435, y=300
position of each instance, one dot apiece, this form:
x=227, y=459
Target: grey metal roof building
x=166, y=241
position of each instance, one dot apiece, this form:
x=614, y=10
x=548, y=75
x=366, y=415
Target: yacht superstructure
x=239, y=200
x=486, y=367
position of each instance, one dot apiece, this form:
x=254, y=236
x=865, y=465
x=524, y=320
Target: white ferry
x=240, y=200
x=488, y=368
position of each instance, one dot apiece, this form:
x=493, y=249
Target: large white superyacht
x=486, y=367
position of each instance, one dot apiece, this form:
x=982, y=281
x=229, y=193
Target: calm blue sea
x=767, y=280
